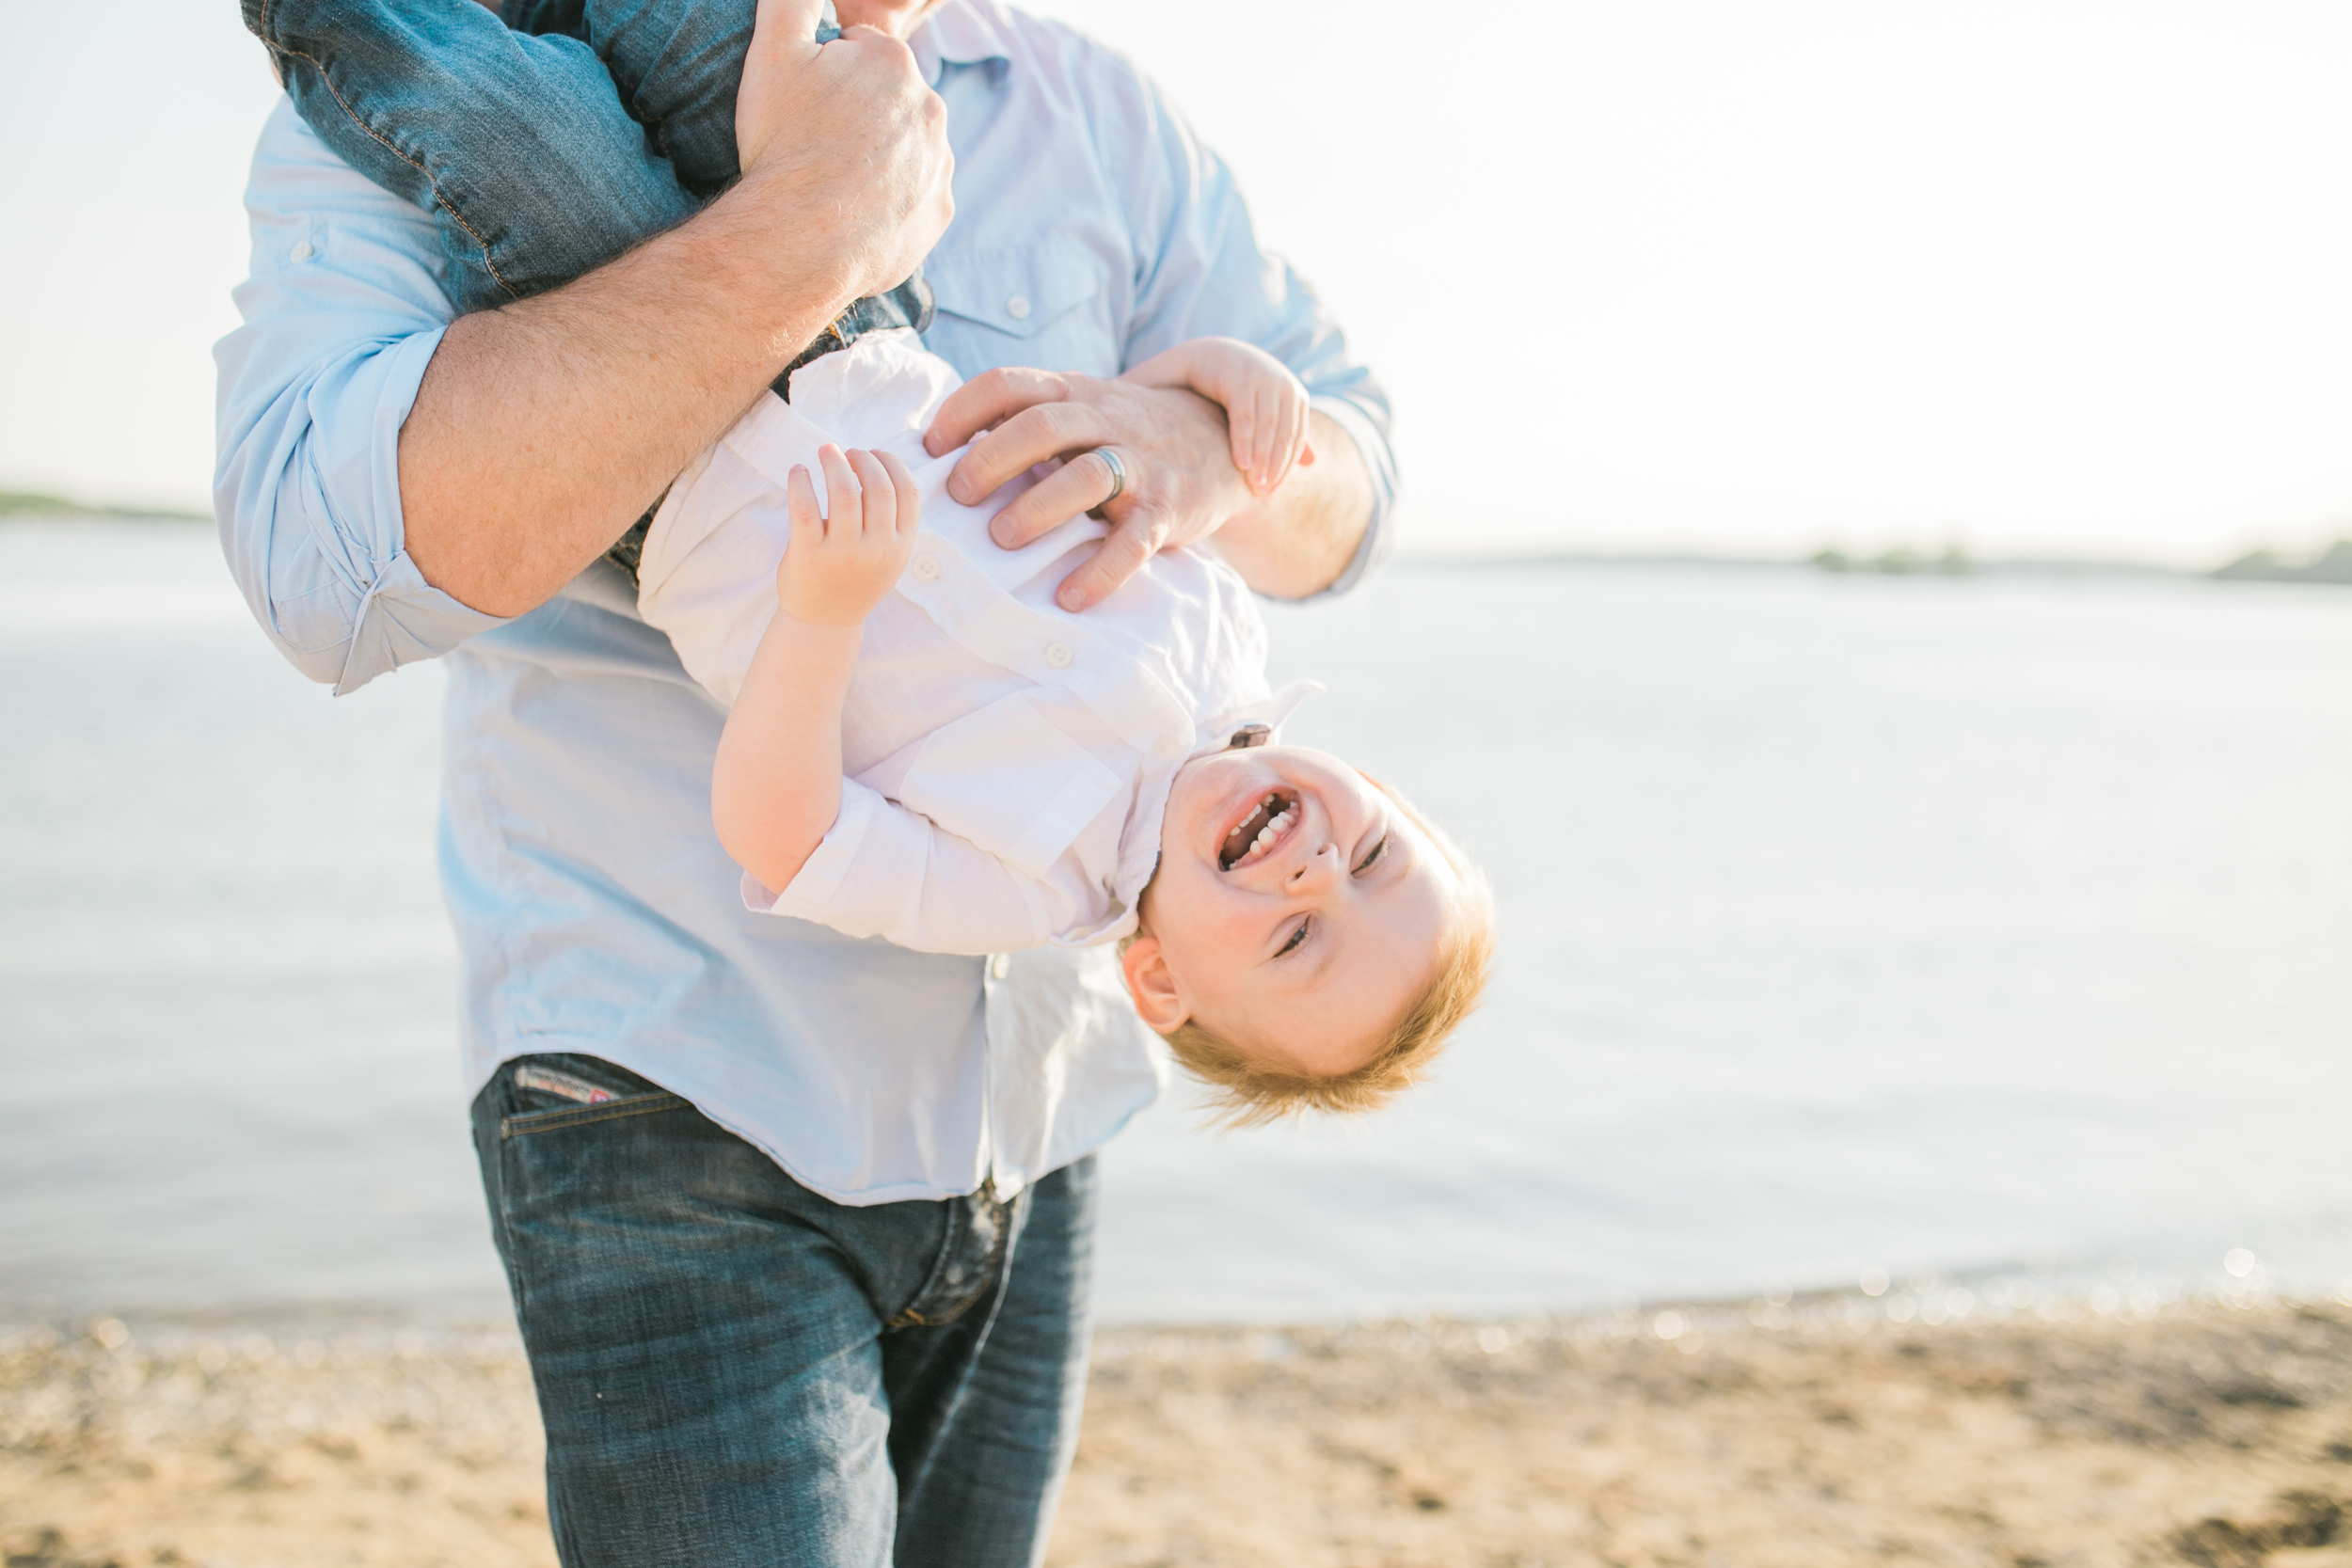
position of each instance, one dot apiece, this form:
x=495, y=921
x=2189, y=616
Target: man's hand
x=838, y=567
x=543, y=429
x=848, y=128
x=1180, y=482
x=1182, y=485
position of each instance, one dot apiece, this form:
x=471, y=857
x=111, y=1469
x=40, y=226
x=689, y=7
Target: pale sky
x=2060, y=279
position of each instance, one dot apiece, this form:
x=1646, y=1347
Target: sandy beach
x=2208, y=1434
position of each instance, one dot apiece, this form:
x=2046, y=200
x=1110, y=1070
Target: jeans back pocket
x=550, y=1093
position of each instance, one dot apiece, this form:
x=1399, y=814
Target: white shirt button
x=1000, y=966
x=1059, y=655
x=303, y=250
x=1018, y=307
x=926, y=568
x=1171, y=746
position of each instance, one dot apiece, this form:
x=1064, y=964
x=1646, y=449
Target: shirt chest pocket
x=1033, y=305
x=1011, y=780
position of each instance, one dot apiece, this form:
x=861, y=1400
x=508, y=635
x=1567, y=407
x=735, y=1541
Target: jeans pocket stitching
x=440, y=199
x=912, y=1315
x=528, y=1122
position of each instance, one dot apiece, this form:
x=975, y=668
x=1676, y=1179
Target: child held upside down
x=922, y=744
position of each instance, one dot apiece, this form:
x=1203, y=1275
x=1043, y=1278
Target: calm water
x=1851, y=923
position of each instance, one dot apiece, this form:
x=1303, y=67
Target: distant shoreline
x=32, y=506
x=2022, y=566
x=2332, y=565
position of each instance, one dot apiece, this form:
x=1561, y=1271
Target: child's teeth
x=1276, y=826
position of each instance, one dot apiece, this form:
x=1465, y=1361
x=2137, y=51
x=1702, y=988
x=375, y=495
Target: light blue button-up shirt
x=594, y=909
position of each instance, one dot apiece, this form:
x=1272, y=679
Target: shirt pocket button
x=925, y=568
x=1059, y=655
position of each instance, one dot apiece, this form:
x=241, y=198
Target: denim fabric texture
x=517, y=143
x=544, y=145
x=734, y=1370
x=675, y=66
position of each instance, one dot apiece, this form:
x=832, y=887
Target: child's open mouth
x=1255, y=835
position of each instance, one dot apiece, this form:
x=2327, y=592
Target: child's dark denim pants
x=544, y=144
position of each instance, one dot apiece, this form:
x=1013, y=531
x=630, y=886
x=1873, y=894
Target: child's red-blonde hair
x=1252, y=1090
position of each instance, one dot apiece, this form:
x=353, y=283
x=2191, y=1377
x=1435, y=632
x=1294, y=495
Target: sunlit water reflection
x=1936, y=928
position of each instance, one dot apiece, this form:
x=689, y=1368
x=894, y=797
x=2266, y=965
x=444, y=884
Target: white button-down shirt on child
x=1008, y=762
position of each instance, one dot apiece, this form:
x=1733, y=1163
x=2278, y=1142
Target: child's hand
x=837, y=569
x=1265, y=406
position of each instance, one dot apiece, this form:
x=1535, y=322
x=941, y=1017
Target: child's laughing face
x=1297, y=911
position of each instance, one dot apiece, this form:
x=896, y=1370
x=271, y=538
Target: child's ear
x=1152, y=986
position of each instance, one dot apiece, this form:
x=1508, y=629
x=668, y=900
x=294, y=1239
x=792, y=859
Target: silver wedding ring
x=1118, y=475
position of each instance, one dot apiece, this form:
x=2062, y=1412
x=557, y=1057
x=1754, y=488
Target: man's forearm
x=1297, y=541
x=543, y=430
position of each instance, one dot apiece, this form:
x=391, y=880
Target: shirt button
x=303, y=250
x=1000, y=966
x=1170, y=746
x=926, y=568
x=1059, y=655
x=1018, y=307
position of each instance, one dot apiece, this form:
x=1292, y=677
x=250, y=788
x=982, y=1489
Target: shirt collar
x=962, y=32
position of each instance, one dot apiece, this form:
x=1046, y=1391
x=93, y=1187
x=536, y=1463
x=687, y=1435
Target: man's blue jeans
x=735, y=1372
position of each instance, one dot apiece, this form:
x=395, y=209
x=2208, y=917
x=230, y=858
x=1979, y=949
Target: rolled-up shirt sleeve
x=342, y=310
x=1201, y=273
x=885, y=871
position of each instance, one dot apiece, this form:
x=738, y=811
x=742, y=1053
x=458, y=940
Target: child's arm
x=1265, y=406
x=776, y=786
